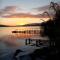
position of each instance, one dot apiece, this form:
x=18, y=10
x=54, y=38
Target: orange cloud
x=24, y=15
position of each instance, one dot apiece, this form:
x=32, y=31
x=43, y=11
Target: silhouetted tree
x=52, y=28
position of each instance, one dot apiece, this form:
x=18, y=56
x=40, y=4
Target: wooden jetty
x=38, y=40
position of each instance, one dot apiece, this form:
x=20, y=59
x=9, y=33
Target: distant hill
x=4, y=26
x=31, y=24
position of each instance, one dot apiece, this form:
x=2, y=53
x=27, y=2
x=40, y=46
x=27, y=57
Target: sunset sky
x=20, y=12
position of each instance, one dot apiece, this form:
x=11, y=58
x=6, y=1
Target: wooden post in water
x=39, y=42
x=26, y=42
x=36, y=43
x=29, y=41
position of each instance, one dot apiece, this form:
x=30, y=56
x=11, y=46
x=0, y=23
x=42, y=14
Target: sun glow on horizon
x=20, y=21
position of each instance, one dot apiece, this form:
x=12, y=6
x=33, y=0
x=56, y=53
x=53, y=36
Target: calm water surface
x=15, y=39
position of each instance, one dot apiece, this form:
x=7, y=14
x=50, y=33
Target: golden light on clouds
x=20, y=21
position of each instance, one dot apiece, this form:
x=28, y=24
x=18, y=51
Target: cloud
x=41, y=9
x=9, y=10
x=44, y=8
x=15, y=12
x=23, y=15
